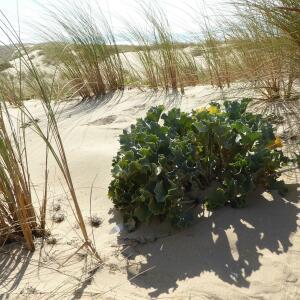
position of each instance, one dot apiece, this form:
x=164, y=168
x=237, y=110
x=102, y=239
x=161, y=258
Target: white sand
x=250, y=253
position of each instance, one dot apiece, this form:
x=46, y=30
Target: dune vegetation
x=259, y=49
x=162, y=161
x=194, y=162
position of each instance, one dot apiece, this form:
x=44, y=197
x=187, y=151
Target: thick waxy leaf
x=154, y=113
x=141, y=213
x=160, y=192
x=155, y=208
x=217, y=198
x=166, y=160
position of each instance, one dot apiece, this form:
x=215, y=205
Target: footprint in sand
x=104, y=121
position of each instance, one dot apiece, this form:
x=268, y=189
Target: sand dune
x=250, y=253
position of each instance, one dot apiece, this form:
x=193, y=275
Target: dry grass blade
x=51, y=137
x=17, y=215
x=90, y=58
x=283, y=14
x=162, y=59
x=263, y=57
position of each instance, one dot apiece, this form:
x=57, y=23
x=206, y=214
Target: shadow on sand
x=207, y=246
x=110, y=100
x=11, y=257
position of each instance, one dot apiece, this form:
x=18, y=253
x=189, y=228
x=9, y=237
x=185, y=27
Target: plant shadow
x=227, y=243
x=13, y=256
x=149, y=98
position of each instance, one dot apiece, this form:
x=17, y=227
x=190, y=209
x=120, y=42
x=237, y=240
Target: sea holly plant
x=173, y=165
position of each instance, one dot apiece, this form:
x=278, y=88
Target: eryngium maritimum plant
x=171, y=165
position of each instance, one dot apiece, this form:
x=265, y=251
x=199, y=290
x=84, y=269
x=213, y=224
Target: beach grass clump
x=4, y=66
x=263, y=57
x=283, y=14
x=217, y=66
x=90, y=59
x=252, y=49
x=18, y=219
x=163, y=61
x=9, y=89
x=15, y=172
x=174, y=165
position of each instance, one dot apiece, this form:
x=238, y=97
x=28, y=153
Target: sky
x=180, y=13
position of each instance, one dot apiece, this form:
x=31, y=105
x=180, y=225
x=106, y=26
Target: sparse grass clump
x=217, y=65
x=283, y=14
x=162, y=59
x=9, y=89
x=263, y=57
x=253, y=50
x=16, y=209
x=90, y=60
x=17, y=215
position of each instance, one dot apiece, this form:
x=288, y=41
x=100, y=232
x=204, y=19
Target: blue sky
x=178, y=11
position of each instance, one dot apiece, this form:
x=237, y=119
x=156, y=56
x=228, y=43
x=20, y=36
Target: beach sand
x=250, y=253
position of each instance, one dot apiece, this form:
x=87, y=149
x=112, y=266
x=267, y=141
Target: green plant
x=13, y=157
x=163, y=62
x=284, y=14
x=18, y=218
x=90, y=59
x=171, y=165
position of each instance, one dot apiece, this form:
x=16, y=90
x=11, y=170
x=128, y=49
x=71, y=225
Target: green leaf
x=160, y=192
x=235, y=109
x=200, y=127
x=165, y=160
x=250, y=138
x=116, y=170
x=154, y=207
x=141, y=213
x=154, y=113
x=134, y=167
x=129, y=155
x=216, y=199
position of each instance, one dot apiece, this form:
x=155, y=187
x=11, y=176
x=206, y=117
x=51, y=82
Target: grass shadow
x=13, y=257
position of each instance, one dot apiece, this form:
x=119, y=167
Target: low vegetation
x=18, y=218
x=89, y=57
x=16, y=208
x=162, y=61
x=172, y=164
x=259, y=48
x=282, y=14
x=4, y=66
x=263, y=56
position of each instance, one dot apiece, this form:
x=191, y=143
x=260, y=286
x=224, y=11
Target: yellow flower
x=198, y=152
x=278, y=142
x=213, y=110
x=200, y=109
